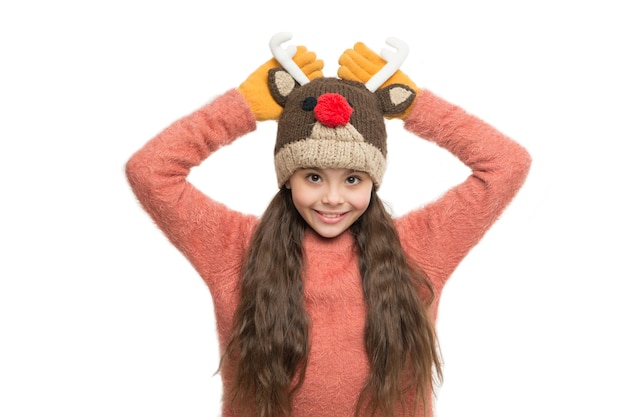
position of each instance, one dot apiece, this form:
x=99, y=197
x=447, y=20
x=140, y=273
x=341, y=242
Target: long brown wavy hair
x=270, y=344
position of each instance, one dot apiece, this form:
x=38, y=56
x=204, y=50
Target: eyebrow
x=319, y=170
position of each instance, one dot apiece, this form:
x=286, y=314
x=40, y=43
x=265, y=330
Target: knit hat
x=333, y=123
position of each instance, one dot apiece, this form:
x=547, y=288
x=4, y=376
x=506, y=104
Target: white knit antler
x=285, y=56
x=394, y=61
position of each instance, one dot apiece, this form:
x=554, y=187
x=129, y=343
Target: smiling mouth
x=331, y=217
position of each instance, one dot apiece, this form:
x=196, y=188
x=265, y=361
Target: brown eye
x=309, y=103
x=353, y=180
x=313, y=178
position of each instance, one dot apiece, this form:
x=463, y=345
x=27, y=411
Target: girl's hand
x=361, y=63
x=256, y=88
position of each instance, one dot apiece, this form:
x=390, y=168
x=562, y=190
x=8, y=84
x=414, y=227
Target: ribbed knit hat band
x=329, y=154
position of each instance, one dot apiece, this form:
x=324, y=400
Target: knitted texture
x=215, y=238
x=331, y=123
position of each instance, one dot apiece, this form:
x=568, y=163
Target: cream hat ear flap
x=281, y=85
x=395, y=98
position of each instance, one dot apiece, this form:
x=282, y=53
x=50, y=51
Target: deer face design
x=333, y=123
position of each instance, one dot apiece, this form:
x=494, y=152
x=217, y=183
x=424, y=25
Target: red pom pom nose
x=333, y=110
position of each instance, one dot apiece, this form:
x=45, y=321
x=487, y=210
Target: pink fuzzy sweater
x=214, y=238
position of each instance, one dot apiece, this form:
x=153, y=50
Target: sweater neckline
x=340, y=243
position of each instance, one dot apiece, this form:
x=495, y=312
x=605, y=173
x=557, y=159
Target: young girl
x=326, y=306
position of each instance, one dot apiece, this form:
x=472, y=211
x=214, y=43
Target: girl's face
x=330, y=199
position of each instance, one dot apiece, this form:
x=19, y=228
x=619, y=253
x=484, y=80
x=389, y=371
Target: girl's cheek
x=364, y=202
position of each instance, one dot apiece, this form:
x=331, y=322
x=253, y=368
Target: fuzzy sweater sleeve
x=209, y=234
x=441, y=234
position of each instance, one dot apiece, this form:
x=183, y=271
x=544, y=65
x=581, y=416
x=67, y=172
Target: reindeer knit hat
x=331, y=122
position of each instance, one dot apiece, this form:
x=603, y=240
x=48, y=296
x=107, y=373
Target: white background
x=101, y=316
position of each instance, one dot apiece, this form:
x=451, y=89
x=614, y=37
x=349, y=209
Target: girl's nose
x=333, y=195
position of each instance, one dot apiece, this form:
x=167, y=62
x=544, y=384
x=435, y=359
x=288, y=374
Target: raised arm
x=444, y=231
x=197, y=225
x=212, y=236
x=439, y=235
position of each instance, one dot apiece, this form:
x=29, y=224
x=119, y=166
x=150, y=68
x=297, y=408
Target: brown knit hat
x=333, y=123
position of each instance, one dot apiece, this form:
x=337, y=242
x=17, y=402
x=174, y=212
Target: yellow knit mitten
x=256, y=88
x=361, y=63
